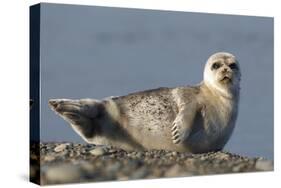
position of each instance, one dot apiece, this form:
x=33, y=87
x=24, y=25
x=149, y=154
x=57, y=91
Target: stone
x=49, y=158
x=264, y=165
x=190, y=161
x=173, y=171
x=140, y=173
x=174, y=153
x=86, y=166
x=222, y=156
x=64, y=173
x=114, y=168
x=83, y=163
x=60, y=148
x=237, y=168
x=97, y=151
x=129, y=154
x=112, y=151
x=139, y=155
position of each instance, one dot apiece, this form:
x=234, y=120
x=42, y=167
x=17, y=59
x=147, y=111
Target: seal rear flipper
x=83, y=115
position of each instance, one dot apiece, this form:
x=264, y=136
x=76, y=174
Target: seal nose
x=225, y=70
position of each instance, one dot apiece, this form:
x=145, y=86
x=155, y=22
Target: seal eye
x=233, y=66
x=216, y=66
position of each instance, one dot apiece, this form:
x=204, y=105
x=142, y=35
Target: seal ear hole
x=216, y=65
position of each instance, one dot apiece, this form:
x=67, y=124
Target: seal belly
x=148, y=116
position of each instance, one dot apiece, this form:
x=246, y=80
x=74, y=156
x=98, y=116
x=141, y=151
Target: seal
x=193, y=119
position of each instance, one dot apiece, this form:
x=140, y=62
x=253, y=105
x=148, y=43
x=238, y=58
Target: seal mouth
x=226, y=79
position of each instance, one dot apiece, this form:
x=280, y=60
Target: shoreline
x=66, y=162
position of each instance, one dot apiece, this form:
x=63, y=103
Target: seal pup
x=193, y=119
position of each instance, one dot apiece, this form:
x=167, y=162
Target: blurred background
x=96, y=52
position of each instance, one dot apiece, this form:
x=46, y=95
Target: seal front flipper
x=184, y=122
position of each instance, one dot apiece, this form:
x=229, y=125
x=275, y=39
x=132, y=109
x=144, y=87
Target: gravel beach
x=69, y=163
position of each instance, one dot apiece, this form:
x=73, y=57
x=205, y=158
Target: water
x=95, y=52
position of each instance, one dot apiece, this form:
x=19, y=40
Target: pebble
x=63, y=174
x=190, y=162
x=114, y=167
x=264, y=165
x=237, y=168
x=111, y=151
x=60, y=148
x=117, y=164
x=139, y=155
x=49, y=158
x=98, y=151
x=174, y=153
x=140, y=173
x=173, y=171
x=86, y=166
x=223, y=156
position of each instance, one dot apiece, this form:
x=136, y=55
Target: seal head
x=222, y=74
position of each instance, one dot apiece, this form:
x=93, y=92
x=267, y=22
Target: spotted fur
x=193, y=119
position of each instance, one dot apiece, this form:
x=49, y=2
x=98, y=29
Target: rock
x=68, y=163
x=140, y=173
x=129, y=154
x=237, y=168
x=122, y=178
x=173, y=171
x=139, y=155
x=112, y=151
x=115, y=167
x=64, y=173
x=190, y=162
x=71, y=153
x=174, y=153
x=60, y=148
x=98, y=151
x=49, y=158
x=264, y=165
x=222, y=156
x=86, y=166
x=203, y=158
